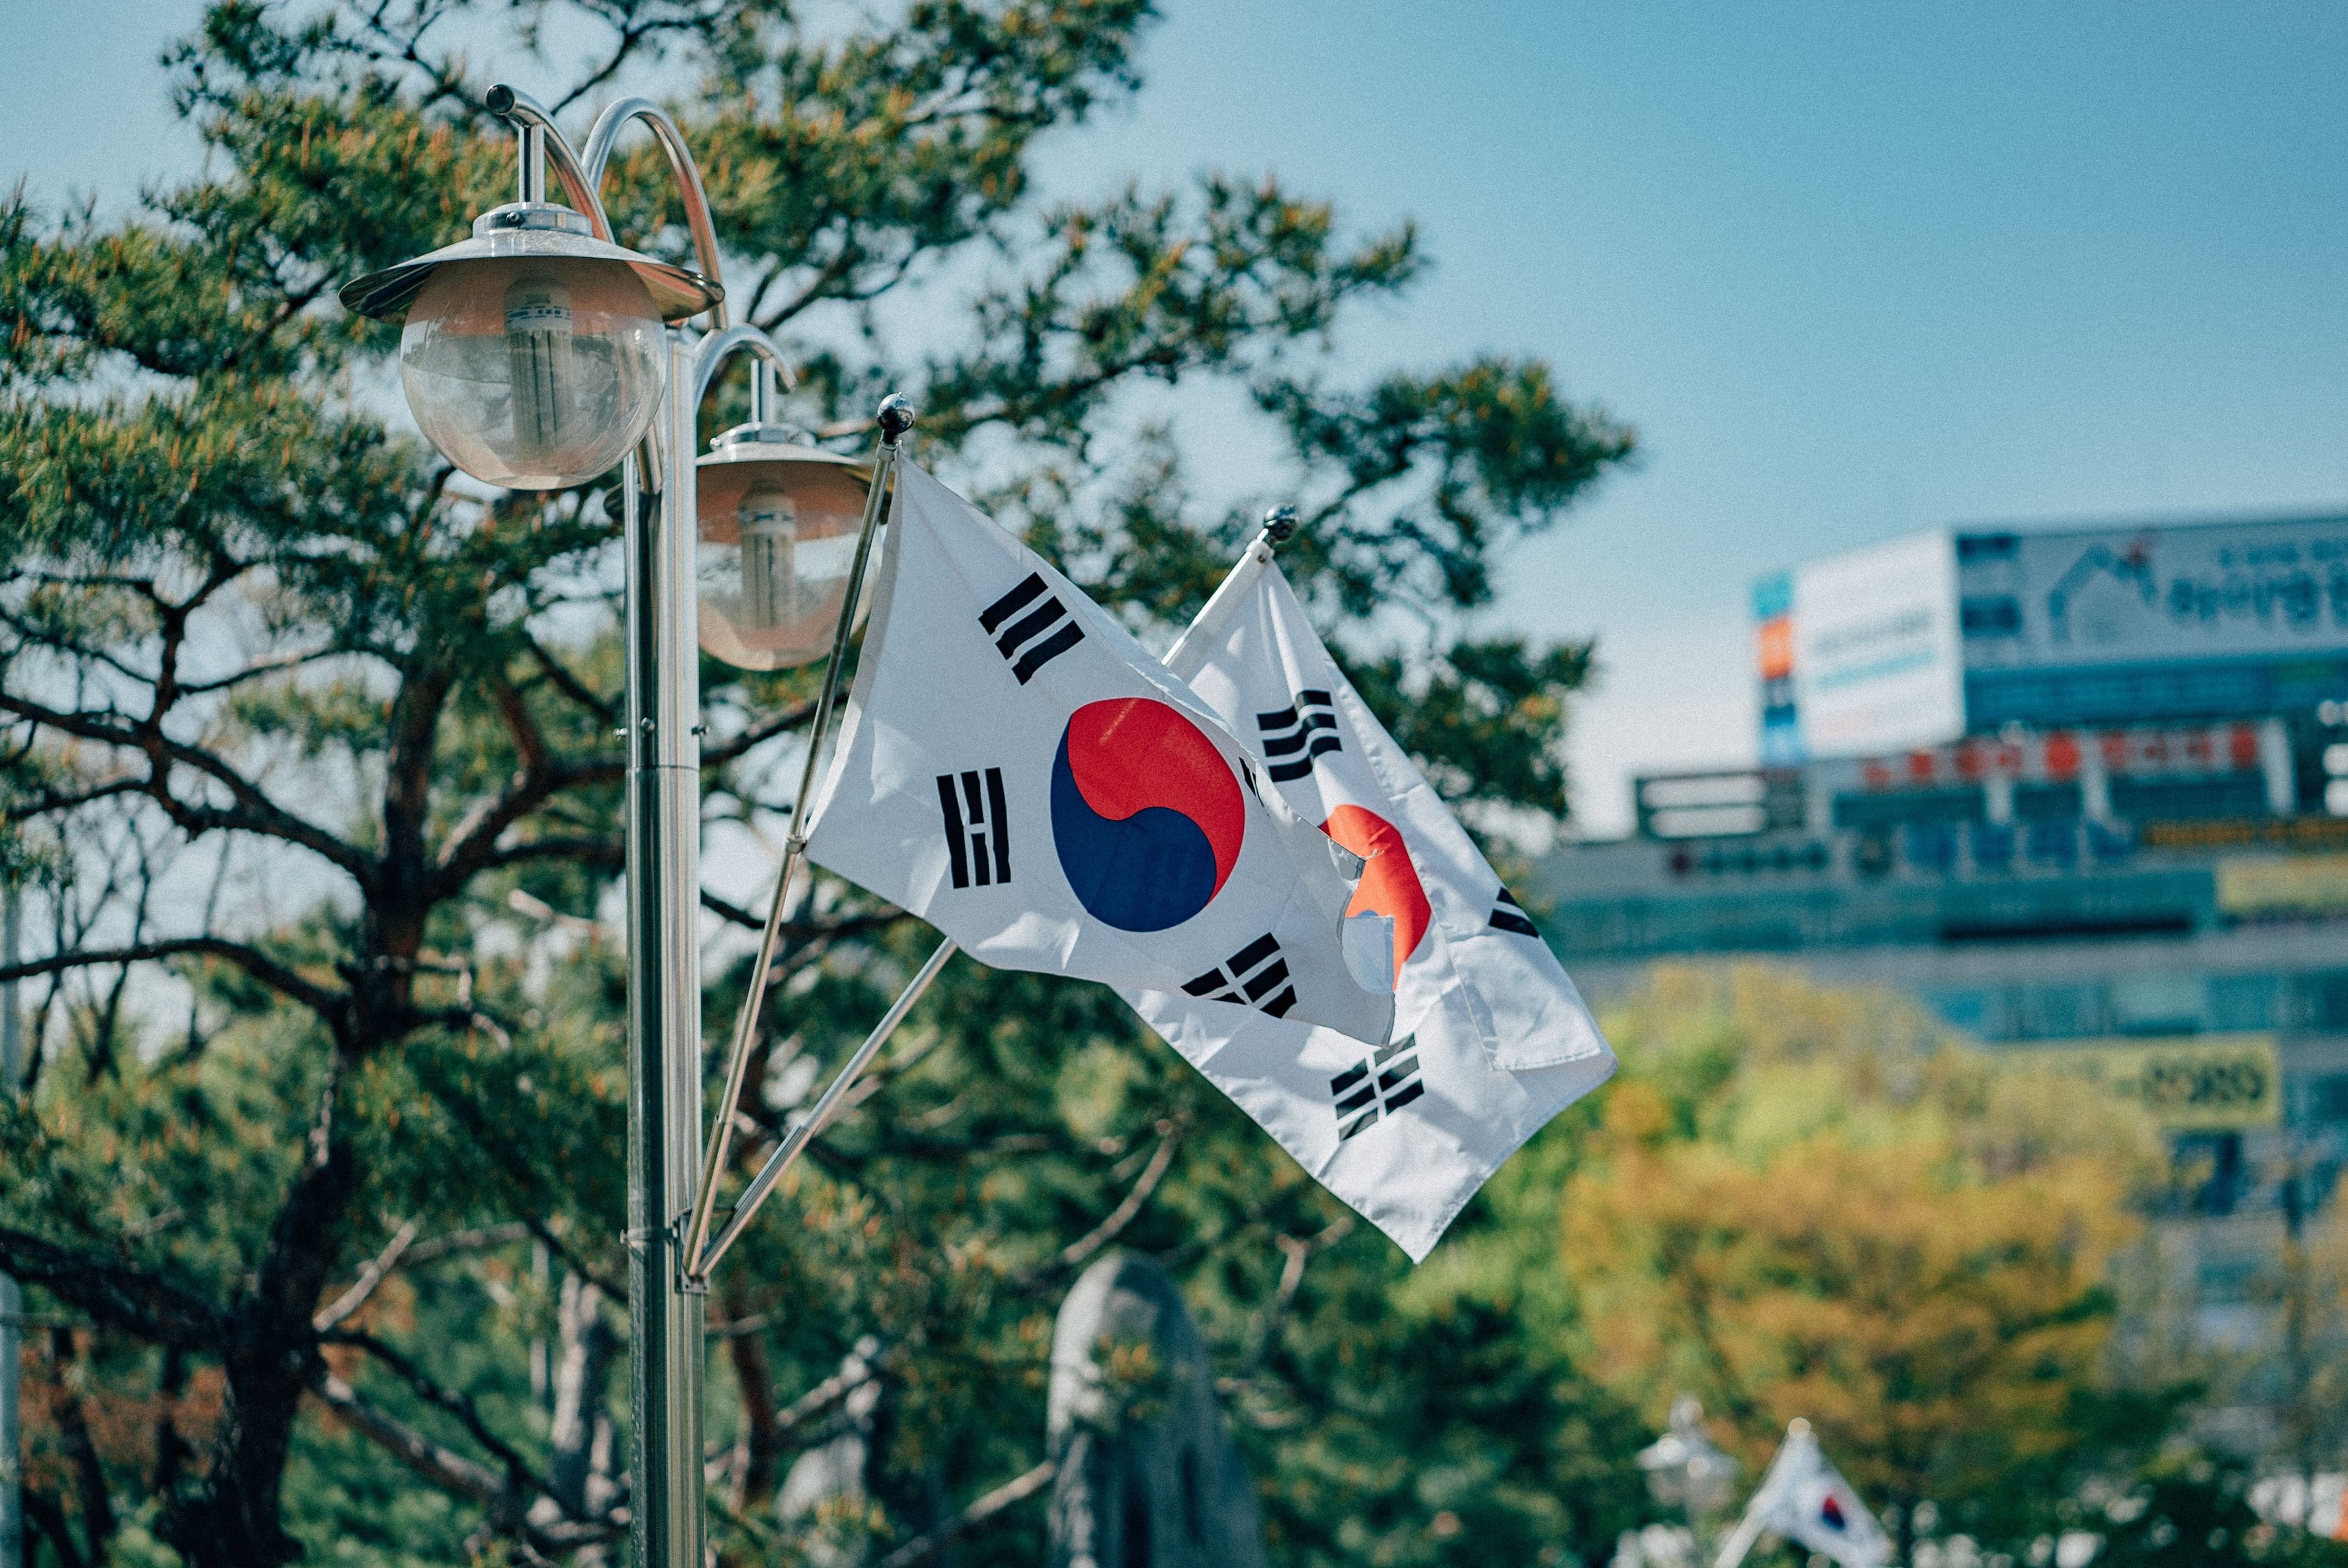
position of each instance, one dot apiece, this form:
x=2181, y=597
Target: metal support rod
x=895, y=417
x=533, y=163
x=798, y=1138
x=718, y=346
x=525, y=113
x=762, y=376
x=664, y=1316
x=1278, y=524
x=12, y=1299
x=598, y=157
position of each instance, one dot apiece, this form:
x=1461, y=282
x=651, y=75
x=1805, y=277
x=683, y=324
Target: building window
x=2323, y=1099
x=2323, y=1000
x=2243, y=1001
x=1966, y=1010
x=2043, y=801
x=2061, y=1012
x=2174, y=800
x=1893, y=808
x=2158, y=1001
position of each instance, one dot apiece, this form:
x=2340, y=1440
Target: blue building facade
x=2083, y=794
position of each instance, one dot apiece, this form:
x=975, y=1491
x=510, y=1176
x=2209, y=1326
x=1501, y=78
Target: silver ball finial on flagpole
x=1279, y=525
x=896, y=416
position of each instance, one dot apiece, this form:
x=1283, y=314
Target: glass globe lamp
x=532, y=355
x=779, y=520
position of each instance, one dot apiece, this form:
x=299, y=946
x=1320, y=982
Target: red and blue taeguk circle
x=1145, y=813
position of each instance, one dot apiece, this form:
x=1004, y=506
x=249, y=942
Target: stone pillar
x=1146, y=1477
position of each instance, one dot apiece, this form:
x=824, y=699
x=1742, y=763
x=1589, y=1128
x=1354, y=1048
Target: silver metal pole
x=896, y=417
x=12, y=1300
x=664, y=1311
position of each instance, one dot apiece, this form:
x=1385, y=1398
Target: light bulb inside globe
x=533, y=372
x=778, y=521
x=537, y=345
x=770, y=527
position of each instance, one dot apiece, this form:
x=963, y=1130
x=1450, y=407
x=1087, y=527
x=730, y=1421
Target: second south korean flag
x=1495, y=1039
x=1019, y=771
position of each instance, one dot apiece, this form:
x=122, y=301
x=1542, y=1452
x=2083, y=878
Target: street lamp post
x=535, y=354
x=1687, y=1470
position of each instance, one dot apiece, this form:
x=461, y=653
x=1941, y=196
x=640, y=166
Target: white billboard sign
x=2222, y=590
x=1878, y=656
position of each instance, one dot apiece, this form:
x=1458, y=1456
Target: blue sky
x=1853, y=269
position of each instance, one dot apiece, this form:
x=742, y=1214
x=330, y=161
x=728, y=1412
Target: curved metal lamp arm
x=519, y=109
x=710, y=358
x=598, y=157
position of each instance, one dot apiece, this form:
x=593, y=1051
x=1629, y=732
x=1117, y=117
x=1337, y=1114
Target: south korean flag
x=1019, y=771
x=1806, y=1500
x=1492, y=1038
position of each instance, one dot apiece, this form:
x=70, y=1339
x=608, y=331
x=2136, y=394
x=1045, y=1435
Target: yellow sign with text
x=2283, y=885
x=2191, y=1083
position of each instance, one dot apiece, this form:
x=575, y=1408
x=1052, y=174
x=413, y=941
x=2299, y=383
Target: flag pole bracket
x=895, y=417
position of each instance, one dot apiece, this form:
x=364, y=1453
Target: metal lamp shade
x=532, y=354
x=532, y=375
x=778, y=523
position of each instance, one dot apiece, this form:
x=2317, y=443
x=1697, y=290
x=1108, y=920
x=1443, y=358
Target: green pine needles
x=306, y=760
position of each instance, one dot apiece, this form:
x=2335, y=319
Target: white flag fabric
x=1805, y=1498
x=1019, y=771
x=1493, y=1038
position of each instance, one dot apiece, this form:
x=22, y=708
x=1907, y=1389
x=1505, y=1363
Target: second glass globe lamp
x=778, y=521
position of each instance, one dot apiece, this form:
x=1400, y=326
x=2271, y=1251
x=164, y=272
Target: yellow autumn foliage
x=1811, y=1202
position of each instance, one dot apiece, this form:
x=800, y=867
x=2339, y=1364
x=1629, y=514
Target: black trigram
x=1044, y=632
x=1248, y=976
x=1296, y=735
x=978, y=834
x=1371, y=1086
x=1508, y=914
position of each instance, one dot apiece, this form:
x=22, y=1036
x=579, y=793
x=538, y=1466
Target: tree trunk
x=582, y=1434
x=760, y=1451
x=582, y=1380
x=171, y=1449
x=96, y=1503
x=271, y=1360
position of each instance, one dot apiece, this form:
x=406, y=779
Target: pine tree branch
x=1078, y=1253
x=378, y=1270
x=256, y=813
x=1008, y=1495
x=559, y=675
x=118, y=1294
x=49, y=1513
x=331, y=1006
x=444, y=1467
x=448, y=1400
x=433, y=1248
x=734, y=749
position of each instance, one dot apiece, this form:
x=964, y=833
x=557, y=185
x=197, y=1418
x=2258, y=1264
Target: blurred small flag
x=1805, y=1498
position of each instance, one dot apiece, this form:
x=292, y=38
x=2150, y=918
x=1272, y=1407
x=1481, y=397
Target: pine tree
x=308, y=761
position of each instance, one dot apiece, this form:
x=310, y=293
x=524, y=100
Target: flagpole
x=755, y=1194
x=1279, y=525
x=896, y=417
x=1740, y=1542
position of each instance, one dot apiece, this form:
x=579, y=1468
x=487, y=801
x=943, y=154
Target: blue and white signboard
x=2207, y=591
x=1878, y=653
